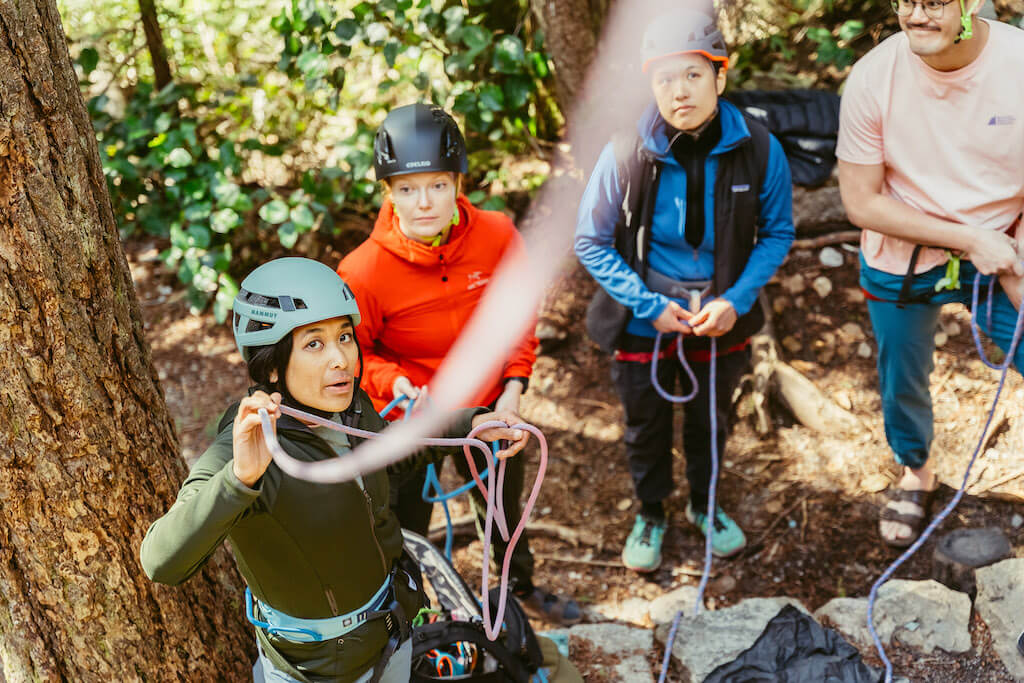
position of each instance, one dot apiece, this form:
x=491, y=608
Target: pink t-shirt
x=952, y=142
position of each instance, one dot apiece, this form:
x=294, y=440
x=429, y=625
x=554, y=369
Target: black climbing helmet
x=418, y=138
x=681, y=31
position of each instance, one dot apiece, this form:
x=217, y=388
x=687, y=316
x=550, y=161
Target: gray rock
x=830, y=258
x=664, y=609
x=628, y=644
x=921, y=615
x=710, y=639
x=1017, y=521
x=1000, y=596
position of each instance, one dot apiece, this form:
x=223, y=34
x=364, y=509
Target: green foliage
x=433, y=51
x=803, y=43
x=267, y=133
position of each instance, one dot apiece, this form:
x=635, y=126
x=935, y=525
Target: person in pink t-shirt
x=931, y=166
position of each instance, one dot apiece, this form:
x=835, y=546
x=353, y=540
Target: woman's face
x=424, y=203
x=686, y=89
x=321, y=368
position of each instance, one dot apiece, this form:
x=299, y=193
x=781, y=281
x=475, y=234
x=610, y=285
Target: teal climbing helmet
x=284, y=294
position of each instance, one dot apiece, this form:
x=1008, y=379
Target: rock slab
x=999, y=604
x=920, y=615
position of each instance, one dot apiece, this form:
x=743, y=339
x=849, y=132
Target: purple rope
x=1003, y=368
x=712, y=488
x=686, y=366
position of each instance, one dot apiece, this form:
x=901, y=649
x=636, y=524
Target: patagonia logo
x=1002, y=121
x=741, y=188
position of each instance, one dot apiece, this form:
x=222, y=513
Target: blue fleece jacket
x=669, y=253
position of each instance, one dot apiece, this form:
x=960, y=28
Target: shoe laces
x=647, y=531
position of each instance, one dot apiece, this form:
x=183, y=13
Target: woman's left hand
x=516, y=438
x=715, y=319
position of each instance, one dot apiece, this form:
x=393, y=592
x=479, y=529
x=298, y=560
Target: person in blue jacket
x=682, y=225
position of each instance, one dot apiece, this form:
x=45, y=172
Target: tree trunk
x=155, y=43
x=88, y=454
x=571, y=31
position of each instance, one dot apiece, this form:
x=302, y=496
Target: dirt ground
x=807, y=501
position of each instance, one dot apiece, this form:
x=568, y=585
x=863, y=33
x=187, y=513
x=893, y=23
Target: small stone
x=873, y=483
x=941, y=338
x=952, y=329
x=799, y=302
x=864, y=350
x=830, y=258
x=546, y=331
x=791, y=344
x=792, y=523
x=854, y=295
x=724, y=584
x=911, y=626
x=794, y=284
x=624, y=504
x=843, y=399
x=822, y=285
x=852, y=332
x=1017, y=521
x=780, y=303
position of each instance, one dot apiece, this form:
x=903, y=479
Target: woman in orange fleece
x=418, y=279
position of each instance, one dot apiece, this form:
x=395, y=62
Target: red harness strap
x=696, y=356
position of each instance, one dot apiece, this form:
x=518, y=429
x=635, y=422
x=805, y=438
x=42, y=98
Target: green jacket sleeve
x=209, y=504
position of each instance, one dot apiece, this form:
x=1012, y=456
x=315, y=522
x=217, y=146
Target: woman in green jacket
x=320, y=559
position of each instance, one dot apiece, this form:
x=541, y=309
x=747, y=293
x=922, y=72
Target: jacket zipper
x=373, y=532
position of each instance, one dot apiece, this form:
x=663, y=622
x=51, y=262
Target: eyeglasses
x=932, y=8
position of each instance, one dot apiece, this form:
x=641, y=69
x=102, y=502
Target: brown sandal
x=914, y=520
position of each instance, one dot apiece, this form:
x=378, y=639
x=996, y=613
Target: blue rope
x=712, y=488
x=1003, y=368
x=433, y=482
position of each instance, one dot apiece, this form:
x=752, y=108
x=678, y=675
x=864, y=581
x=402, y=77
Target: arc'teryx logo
x=476, y=279
x=1002, y=120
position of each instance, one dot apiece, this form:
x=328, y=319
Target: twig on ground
x=999, y=482
x=826, y=240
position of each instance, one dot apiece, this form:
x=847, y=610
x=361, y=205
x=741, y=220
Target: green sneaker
x=643, y=547
x=728, y=538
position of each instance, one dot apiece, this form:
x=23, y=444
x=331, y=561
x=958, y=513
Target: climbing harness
x=1003, y=368
x=495, y=513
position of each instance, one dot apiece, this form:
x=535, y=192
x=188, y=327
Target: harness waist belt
x=316, y=630
x=689, y=290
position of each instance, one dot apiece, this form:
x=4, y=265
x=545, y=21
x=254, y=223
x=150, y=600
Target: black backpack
x=457, y=630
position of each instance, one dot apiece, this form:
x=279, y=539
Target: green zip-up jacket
x=309, y=550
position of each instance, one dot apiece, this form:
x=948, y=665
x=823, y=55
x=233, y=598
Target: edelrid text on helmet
x=285, y=294
x=682, y=31
x=418, y=138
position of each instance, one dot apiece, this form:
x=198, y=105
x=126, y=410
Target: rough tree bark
x=155, y=43
x=571, y=32
x=88, y=454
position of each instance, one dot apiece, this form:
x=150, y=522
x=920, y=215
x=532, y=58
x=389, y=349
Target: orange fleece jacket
x=415, y=299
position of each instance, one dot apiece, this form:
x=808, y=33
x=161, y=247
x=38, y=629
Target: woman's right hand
x=251, y=455
x=403, y=385
x=673, y=319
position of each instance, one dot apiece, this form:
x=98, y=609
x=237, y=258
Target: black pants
x=649, y=420
x=414, y=513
